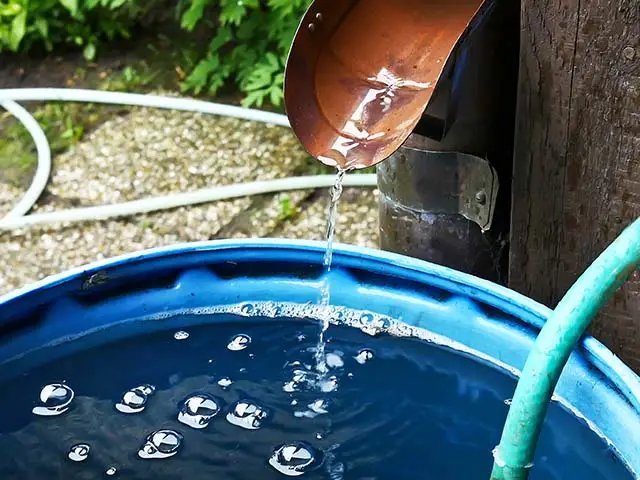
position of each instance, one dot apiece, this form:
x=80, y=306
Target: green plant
x=287, y=210
x=250, y=46
x=79, y=23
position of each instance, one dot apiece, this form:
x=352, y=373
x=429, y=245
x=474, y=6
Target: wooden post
x=576, y=181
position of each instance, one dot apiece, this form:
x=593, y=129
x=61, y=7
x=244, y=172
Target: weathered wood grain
x=576, y=178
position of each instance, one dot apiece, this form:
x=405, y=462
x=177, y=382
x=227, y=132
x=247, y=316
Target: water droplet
x=334, y=360
x=295, y=459
x=247, y=308
x=319, y=16
x=312, y=27
x=111, y=471
x=79, y=452
x=55, y=399
x=247, y=415
x=135, y=400
x=239, y=342
x=181, y=335
x=364, y=356
x=198, y=410
x=161, y=444
x=224, y=382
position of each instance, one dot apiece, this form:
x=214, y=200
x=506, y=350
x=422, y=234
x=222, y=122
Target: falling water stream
x=334, y=197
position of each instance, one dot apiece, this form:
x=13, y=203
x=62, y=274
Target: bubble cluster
x=248, y=415
x=161, y=444
x=334, y=360
x=315, y=408
x=181, y=335
x=198, y=409
x=55, y=399
x=364, y=356
x=79, y=452
x=135, y=400
x=295, y=459
x=239, y=342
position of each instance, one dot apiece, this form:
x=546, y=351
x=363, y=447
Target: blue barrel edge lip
x=619, y=375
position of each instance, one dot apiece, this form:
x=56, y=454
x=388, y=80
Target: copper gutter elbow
x=361, y=73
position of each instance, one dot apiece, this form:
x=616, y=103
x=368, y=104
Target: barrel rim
x=526, y=309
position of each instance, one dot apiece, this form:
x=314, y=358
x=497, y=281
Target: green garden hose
x=513, y=457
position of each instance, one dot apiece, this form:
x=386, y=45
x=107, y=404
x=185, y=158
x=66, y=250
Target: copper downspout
x=361, y=73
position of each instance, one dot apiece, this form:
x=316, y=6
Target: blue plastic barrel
x=470, y=317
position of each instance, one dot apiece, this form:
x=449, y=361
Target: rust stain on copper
x=361, y=73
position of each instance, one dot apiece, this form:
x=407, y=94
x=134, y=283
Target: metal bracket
x=441, y=182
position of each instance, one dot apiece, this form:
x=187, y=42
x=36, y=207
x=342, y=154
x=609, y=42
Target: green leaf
x=71, y=5
x=10, y=10
x=224, y=35
x=43, y=27
x=18, y=29
x=254, y=98
x=192, y=16
x=115, y=4
x=276, y=95
x=89, y=52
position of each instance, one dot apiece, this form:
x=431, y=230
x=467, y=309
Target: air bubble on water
x=198, y=409
x=301, y=336
x=181, y=335
x=290, y=387
x=318, y=436
x=55, y=399
x=350, y=375
x=239, y=342
x=295, y=459
x=161, y=444
x=364, y=356
x=318, y=407
x=508, y=401
x=242, y=370
x=294, y=402
x=225, y=382
x=247, y=414
x=135, y=400
x=79, y=452
x=251, y=355
x=329, y=385
x=111, y=471
x=247, y=308
x=334, y=360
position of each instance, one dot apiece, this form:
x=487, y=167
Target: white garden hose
x=41, y=177
x=17, y=219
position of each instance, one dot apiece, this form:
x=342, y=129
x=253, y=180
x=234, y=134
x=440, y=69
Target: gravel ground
x=153, y=152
